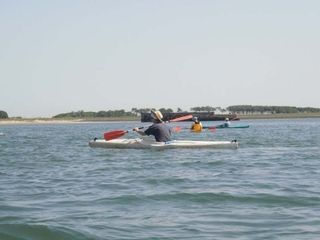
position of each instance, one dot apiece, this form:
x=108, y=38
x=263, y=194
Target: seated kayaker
x=196, y=125
x=160, y=131
x=227, y=123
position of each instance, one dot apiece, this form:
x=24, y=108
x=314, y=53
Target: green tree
x=203, y=109
x=166, y=110
x=3, y=114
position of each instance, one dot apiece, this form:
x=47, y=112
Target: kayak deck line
x=138, y=143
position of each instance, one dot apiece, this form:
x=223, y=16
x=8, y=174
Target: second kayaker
x=196, y=125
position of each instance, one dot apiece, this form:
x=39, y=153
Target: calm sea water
x=54, y=186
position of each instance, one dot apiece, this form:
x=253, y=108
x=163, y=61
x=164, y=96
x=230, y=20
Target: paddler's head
x=156, y=116
x=195, y=119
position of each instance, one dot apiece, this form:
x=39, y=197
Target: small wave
x=208, y=197
x=264, y=199
x=39, y=232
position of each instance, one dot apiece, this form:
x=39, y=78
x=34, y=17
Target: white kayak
x=139, y=143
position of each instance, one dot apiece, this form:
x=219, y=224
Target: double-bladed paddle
x=179, y=119
x=119, y=133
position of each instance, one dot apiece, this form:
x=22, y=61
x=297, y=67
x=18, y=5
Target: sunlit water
x=54, y=186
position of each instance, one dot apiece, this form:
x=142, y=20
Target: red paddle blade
x=212, y=129
x=181, y=118
x=177, y=129
x=114, y=134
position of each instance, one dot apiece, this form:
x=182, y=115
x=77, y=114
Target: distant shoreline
x=279, y=115
x=60, y=121
x=21, y=121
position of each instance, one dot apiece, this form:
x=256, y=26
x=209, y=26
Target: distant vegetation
x=135, y=112
x=249, y=109
x=101, y=114
x=238, y=109
x=207, y=109
x=3, y=115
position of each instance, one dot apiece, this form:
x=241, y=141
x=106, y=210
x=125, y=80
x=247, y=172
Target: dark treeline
x=207, y=109
x=100, y=114
x=250, y=109
x=238, y=109
x=3, y=114
x=136, y=112
x=109, y=113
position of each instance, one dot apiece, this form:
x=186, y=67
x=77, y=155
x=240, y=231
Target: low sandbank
x=13, y=121
x=21, y=121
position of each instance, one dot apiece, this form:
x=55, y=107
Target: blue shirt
x=160, y=131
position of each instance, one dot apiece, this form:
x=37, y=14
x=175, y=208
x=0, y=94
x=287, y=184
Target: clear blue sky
x=69, y=55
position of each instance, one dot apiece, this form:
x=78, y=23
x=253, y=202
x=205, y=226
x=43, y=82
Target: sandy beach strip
x=38, y=121
x=59, y=121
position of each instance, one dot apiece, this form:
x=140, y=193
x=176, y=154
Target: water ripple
x=53, y=186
